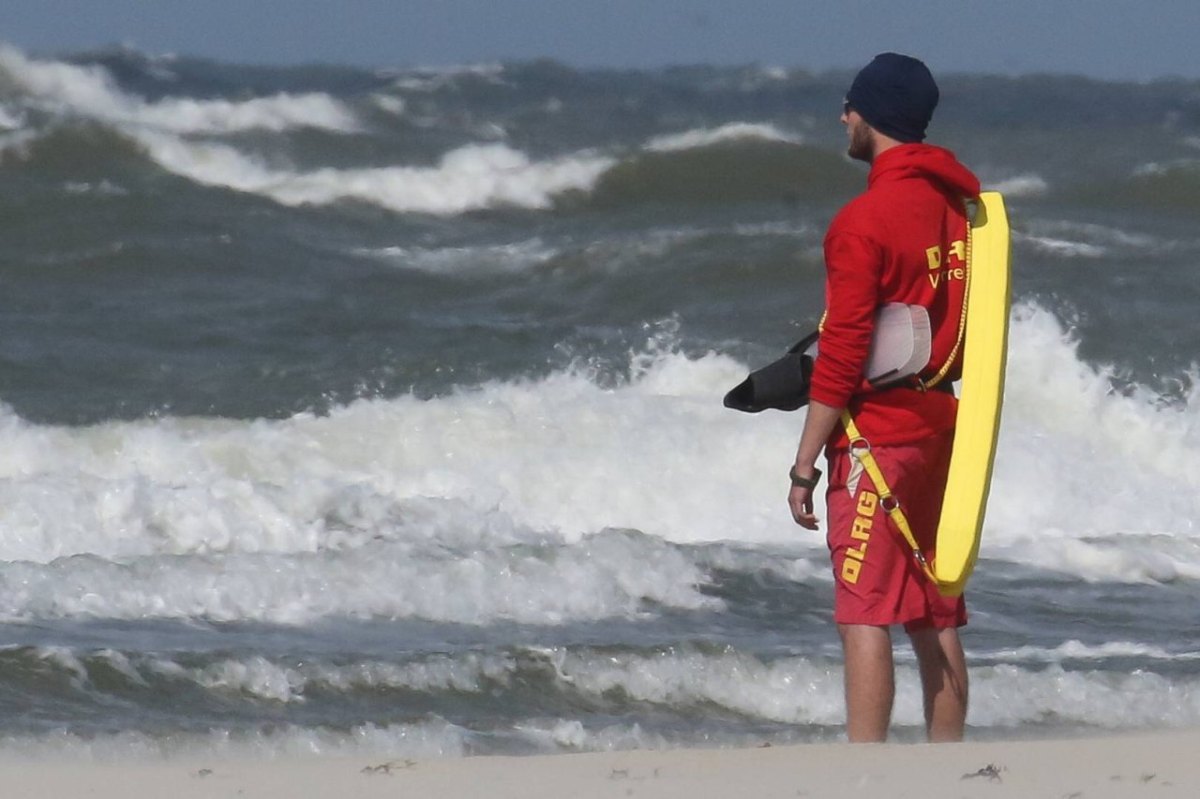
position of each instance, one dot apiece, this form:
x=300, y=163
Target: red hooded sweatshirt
x=902, y=240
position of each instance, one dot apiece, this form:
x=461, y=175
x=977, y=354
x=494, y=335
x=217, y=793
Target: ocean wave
x=1020, y=186
x=1162, y=185
x=1006, y=695
x=10, y=119
x=603, y=255
x=103, y=188
x=89, y=91
x=81, y=152
x=125, y=489
x=707, y=137
x=743, y=169
x=609, y=575
x=1175, y=182
x=733, y=162
x=290, y=682
x=432, y=79
x=491, y=259
x=391, y=744
x=788, y=690
x=1078, y=651
x=1189, y=166
x=479, y=176
x=278, y=113
x=729, y=688
x=797, y=690
x=17, y=145
x=144, y=519
x=434, y=738
x=804, y=691
x=1062, y=248
x=1064, y=428
x=389, y=104
x=801, y=690
x=1101, y=237
x=467, y=179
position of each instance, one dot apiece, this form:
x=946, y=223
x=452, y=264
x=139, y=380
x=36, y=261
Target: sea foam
x=543, y=500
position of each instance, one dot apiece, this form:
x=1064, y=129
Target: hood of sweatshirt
x=924, y=161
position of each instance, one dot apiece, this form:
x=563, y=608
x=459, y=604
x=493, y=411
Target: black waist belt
x=945, y=387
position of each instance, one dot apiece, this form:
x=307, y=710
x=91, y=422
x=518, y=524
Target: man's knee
x=865, y=633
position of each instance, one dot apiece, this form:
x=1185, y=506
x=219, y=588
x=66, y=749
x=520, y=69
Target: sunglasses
x=846, y=109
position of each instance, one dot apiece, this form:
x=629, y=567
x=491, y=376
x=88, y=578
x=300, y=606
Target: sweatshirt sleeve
x=853, y=264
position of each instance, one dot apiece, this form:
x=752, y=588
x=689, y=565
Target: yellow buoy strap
x=962, y=314
x=860, y=449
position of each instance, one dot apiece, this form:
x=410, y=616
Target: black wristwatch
x=805, y=482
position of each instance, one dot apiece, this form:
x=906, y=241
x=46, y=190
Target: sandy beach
x=1158, y=764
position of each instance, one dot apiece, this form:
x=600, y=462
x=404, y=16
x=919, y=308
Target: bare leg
x=870, y=681
x=943, y=682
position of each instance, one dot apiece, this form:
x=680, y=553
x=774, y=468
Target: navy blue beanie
x=896, y=95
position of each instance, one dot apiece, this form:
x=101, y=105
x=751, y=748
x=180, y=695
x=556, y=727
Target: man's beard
x=860, y=143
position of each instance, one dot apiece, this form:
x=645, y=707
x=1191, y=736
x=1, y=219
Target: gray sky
x=1112, y=39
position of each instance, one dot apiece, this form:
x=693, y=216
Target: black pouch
x=782, y=385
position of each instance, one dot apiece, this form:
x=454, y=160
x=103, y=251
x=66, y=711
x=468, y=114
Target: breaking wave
x=89, y=91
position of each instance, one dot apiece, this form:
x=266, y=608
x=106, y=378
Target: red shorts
x=878, y=581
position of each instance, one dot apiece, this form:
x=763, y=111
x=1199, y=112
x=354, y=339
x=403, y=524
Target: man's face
x=859, y=134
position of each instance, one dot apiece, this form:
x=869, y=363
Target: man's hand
x=818, y=425
x=801, y=503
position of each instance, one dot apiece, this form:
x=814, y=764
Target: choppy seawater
x=379, y=411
